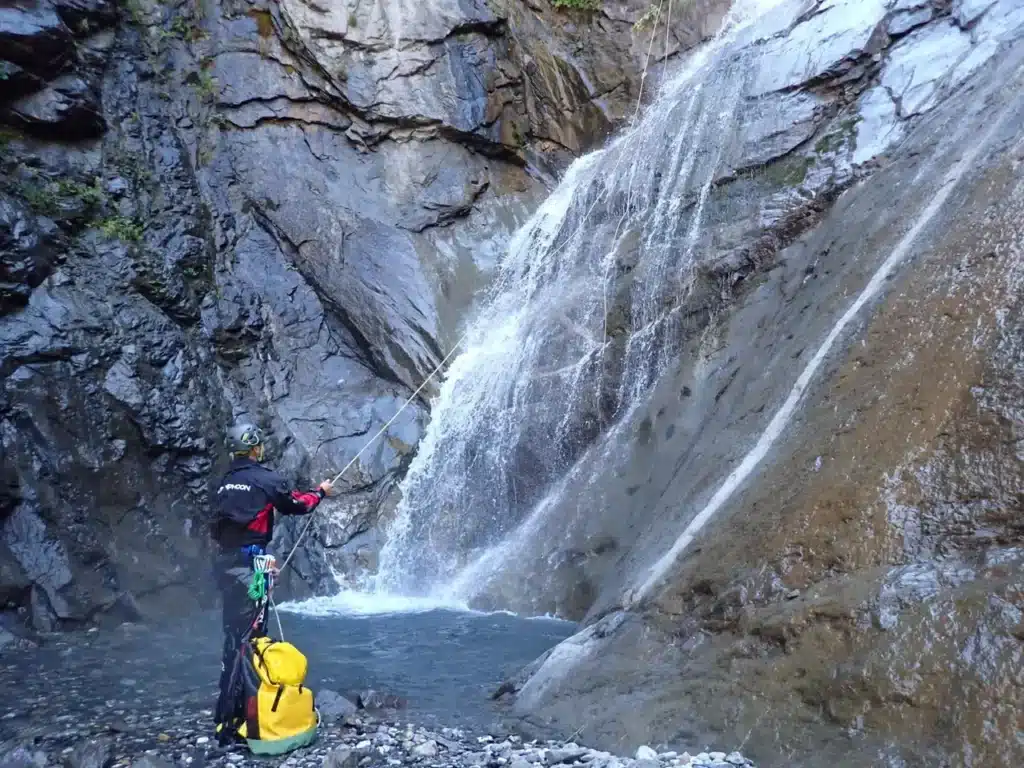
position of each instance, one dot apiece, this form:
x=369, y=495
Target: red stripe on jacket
x=309, y=498
x=261, y=523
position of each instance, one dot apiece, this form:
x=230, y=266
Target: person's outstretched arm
x=289, y=502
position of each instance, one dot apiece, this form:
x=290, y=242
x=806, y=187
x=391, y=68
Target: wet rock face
x=275, y=212
x=858, y=597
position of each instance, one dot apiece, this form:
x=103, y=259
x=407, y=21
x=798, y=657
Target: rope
x=277, y=617
x=370, y=442
x=258, y=586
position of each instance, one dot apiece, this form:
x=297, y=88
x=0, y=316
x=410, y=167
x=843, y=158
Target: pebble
x=427, y=749
x=180, y=735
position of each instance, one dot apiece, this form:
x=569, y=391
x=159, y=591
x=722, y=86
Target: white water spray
x=606, y=257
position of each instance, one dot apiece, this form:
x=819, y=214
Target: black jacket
x=245, y=501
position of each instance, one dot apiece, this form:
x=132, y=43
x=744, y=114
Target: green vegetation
x=790, y=172
x=205, y=84
x=92, y=196
x=353, y=22
x=134, y=9
x=122, y=228
x=67, y=197
x=264, y=23
x=7, y=136
x=41, y=197
x=577, y=5
x=188, y=29
x=648, y=20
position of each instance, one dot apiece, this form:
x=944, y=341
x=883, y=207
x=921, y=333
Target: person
x=242, y=528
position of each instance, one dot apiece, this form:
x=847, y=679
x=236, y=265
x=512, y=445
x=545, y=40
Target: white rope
x=277, y=616
x=647, y=61
x=370, y=442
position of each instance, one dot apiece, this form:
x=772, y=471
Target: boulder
x=333, y=706
x=33, y=36
x=67, y=108
x=93, y=753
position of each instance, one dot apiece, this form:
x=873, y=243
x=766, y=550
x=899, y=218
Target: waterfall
x=577, y=326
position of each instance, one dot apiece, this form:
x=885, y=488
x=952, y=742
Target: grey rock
x=117, y=186
x=822, y=44
x=966, y=12
x=371, y=699
x=42, y=557
x=341, y=757
x=879, y=126
x=68, y=107
x=775, y=125
x=646, y=753
x=735, y=758
x=426, y=749
x=902, y=23
x=28, y=253
x=97, y=752
x=333, y=706
x=917, y=66
x=153, y=761
x=565, y=755
x=84, y=17
x=33, y=36
x=23, y=757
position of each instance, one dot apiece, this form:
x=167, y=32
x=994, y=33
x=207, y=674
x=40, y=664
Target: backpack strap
x=277, y=699
x=263, y=662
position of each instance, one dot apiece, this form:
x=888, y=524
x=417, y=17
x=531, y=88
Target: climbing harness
x=261, y=589
x=381, y=431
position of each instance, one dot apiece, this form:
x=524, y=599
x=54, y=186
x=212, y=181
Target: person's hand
x=326, y=486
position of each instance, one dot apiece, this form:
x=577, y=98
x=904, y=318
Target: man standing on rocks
x=243, y=526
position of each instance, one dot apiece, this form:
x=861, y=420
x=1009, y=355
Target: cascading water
x=576, y=328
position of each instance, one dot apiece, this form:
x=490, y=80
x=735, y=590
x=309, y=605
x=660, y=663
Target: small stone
x=735, y=758
x=151, y=761
x=703, y=757
x=646, y=753
x=520, y=763
x=94, y=753
x=203, y=740
x=163, y=737
x=427, y=749
x=569, y=754
x=340, y=757
x=364, y=744
x=646, y=764
x=718, y=757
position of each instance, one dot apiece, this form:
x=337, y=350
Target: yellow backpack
x=280, y=715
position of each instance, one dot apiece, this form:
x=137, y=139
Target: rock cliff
x=806, y=536
x=273, y=211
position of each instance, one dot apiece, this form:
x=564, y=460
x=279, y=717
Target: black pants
x=233, y=575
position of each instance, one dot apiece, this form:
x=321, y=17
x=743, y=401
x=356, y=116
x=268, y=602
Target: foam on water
x=351, y=603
